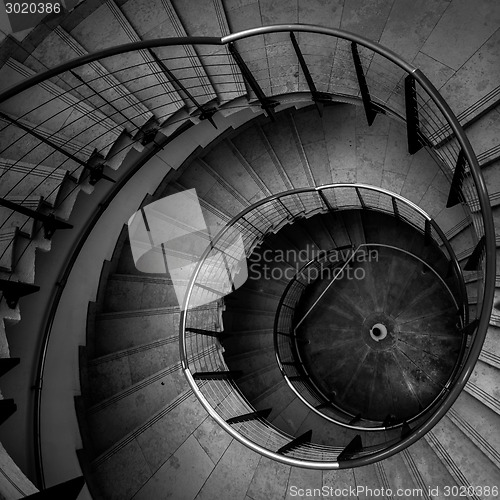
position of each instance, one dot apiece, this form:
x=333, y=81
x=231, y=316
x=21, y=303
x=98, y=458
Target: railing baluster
x=470, y=328
x=355, y=419
x=355, y=446
x=455, y=195
x=109, y=103
x=93, y=170
x=267, y=104
x=412, y=120
x=250, y=416
x=50, y=222
x=7, y=408
x=14, y=290
x=325, y=200
x=6, y=364
x=295, y=443
x=205, y=113
x=207, y=333
x=318, y=97
x=428, y=232
x=395, y=208
x=363, y=204
x=475, y=258
x=405, y=430
x=370, y=110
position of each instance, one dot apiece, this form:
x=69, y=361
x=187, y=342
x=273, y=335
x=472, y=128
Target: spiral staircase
x=300, y=137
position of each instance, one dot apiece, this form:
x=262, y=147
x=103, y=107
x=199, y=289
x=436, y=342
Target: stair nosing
x=101, y=405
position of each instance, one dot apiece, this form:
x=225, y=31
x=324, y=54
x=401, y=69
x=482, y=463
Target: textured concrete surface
x=455, y=41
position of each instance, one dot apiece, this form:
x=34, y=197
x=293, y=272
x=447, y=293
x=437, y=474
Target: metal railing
x=213, y=381
x=287, y=341
x=70, y=127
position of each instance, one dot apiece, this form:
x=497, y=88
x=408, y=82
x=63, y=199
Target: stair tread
x=63, y=47
x=153, y=88
x=92, y=125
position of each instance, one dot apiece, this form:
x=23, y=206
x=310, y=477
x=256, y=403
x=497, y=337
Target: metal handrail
x=315, y=389
x=432, y=92
x=185, y=310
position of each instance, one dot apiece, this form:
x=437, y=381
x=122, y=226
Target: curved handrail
x=315, y=389
x=377, y=48
x=55, y=298
x=364, y=460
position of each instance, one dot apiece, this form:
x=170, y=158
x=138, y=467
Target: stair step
x=453, y=220
x=120, y=150
x=152, y=88
x=478, y=423
x=239, y=462
x=113, y=418
x=131, y=292
x=324, y=432
x=58, y=47
x=61, y=111
x=250, y=340
x=19, y=178
x=491, y=179
x=397, y=476
x=20, y=147
x=302, y=241
x=209, y=20
x=427, y=469
x=491, y=349
x=112, y=373
x=241, y=319
x=7, y=246
x=253, y=384
x=336, y=226
x=259, y=155
x=149, y=445
x=208, y=189
x=291, y=418
x=277, y=398
x=468, y=470
x=67, y=196
x=138, y=327
x=182, y=61
x=249, y=361
x=483, y=133
x=269, y=480
x=284, y=147
x=484, y=385
x=316, y=229
x=223, y=163
x=12, y=219
x=369, y=477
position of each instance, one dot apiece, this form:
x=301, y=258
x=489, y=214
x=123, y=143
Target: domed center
x=378, y=332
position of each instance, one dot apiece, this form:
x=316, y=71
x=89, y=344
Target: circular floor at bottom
x=383, y=339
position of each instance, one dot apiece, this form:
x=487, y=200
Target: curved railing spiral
x=286, y=343
x=53, y=134
x=220, y=395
